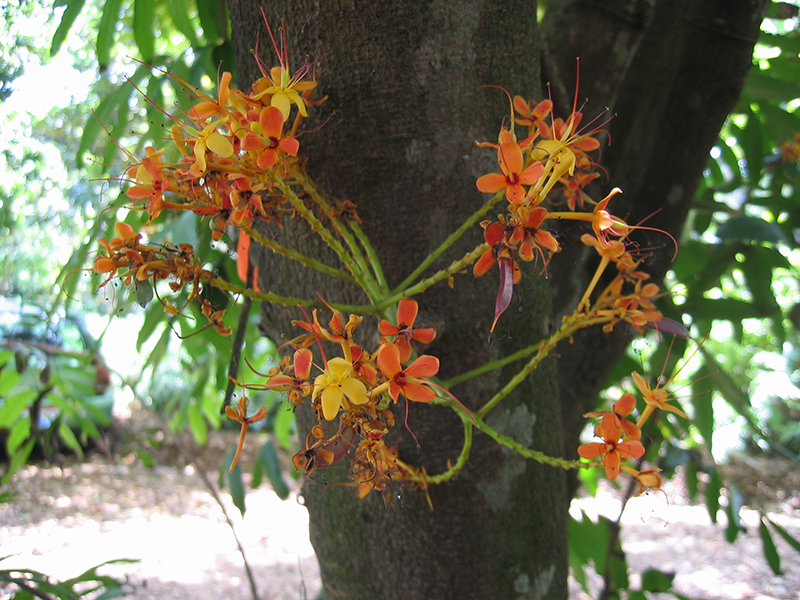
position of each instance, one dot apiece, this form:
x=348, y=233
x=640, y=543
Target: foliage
x=737, y=268
x=26, y=584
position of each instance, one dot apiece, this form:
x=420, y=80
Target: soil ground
x=66, y=518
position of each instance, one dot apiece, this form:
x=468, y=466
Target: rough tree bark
x=405, y=106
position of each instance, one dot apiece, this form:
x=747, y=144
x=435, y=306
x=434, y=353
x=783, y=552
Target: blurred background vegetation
x=79, y=79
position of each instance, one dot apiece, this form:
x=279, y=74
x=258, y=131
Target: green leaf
x=702, y=402
x=144, y=292
x=713, y=488
x=793, y=542
x=20, y=432
x=268, y=457
x=147, y=459
x=283, y=426
x=179, y=14
x=144, y=28
x=67, y=19
x=9, y=378
x=197, y=424
x=236, y=483
x=761, y=85
x=751, y=229
x=106, y=32
x=657, y=581
x=751, y=142
x=768, y=546
x=118, y=99
x=225, y=57
x=154, y=316
x=68, y=437
x=211, y=17
x=735, y=504
x=588, y=542
x=729, y=309
x=12, y=406
x=18, y=460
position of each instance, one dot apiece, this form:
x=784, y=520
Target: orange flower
x=503, y=254
x=403, y=332
x=266, y=137
x=513, y=177
x=531, y=236
x=656, y=397
x=240, y=414
x=615, y=419
x=613, y=453
x=407, y=381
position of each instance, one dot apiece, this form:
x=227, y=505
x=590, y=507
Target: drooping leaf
x=144, y=292
x=106, y=33
x=197, y=424
x=751, y=229
x=735, y=503
x=20, y=432
x=67, y=19
x=268, y=457
x=179, y=13
x=792, y=541
x=761, y=85
x=118, y=99
x=283, y=427
x=702, y=402
x=144, y=28
x=768, y=546
x=211, y=18
x=657, y=581
x=236, y=483
x=713, y=488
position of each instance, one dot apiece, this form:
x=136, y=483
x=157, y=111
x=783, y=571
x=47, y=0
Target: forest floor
x=69, y=517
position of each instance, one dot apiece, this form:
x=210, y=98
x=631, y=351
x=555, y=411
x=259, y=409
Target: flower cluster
x=555, y=156
x=356, y=388
x=620, y=437
x=127, y=258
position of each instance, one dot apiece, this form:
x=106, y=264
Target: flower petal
x=491, y=183
x=591, y=450
x=355, y=391
x=424, y=366
x=407, y=310
x=418, y=392
x=331, y=401
x=389, y=360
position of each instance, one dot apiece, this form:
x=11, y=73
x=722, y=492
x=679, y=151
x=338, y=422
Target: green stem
x=451, y=239
x=232, y=288
x=362, y=279
x=569, y=327
x=460, y=461
x=371, y=256
x=311, y=189
x=536, y=455
x=294, y=255
x=455, y=267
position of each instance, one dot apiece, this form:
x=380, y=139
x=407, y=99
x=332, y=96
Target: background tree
x=404, y=107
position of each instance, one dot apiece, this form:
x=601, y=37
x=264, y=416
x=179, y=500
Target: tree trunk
x=396, y=137
x=670, y=72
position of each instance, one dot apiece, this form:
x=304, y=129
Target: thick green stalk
x=451, y=239
x=294, y=255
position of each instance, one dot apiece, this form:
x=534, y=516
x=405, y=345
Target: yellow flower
x=336, y=383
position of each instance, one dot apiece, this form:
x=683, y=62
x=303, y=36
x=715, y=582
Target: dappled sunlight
x=66, y=521
x=677, y=537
